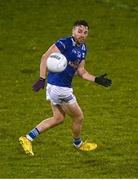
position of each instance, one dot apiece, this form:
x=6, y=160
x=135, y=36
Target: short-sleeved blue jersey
x=74, y=55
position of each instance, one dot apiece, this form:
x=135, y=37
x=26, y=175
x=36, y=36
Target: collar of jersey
x=74, y=42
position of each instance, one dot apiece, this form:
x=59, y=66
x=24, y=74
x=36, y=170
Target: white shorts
x=58, y=95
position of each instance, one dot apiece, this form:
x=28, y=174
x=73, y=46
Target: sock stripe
x=33, y=133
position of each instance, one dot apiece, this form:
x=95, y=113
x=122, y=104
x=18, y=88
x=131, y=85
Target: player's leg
x=76, y=113
x=58, y=117
x=77, y=116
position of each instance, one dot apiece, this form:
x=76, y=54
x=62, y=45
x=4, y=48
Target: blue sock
x=77, y=141
x=33, y=134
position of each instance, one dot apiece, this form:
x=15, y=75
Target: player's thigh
x=73, y=109
x=58, y=112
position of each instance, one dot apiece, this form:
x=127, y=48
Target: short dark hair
x=81, y=22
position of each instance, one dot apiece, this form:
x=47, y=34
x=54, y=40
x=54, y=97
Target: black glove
x=103, y=81
x=39, y=84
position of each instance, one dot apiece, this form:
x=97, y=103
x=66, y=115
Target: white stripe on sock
x=28, y=137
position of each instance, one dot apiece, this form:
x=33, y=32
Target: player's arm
x=51, y=50
x=83, y=73
x=40, y=83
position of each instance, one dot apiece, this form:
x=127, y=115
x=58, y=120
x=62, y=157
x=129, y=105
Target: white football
x=56, y=62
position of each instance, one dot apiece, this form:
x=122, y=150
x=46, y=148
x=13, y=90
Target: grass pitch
x=27, y=29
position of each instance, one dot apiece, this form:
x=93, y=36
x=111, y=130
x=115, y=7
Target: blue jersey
x=74, y=55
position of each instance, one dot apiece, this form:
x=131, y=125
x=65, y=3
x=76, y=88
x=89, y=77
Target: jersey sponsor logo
x=74, y=64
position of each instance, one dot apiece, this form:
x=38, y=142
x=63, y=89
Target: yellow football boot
x=26, y=145
x=85, y=146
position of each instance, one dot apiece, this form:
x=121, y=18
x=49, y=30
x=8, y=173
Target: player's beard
x=80, y=40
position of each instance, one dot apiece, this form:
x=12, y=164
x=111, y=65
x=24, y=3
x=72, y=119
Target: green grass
x=27, y=29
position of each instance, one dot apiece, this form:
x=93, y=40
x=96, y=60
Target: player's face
x=80, y=33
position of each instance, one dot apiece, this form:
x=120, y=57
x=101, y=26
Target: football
x=56, y=62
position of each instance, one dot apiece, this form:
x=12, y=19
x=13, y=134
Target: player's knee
x=80, y=117
x=59, y=118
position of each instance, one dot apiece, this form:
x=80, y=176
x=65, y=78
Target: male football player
x=59, y=88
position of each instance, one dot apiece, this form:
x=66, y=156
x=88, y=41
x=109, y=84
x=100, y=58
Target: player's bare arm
x=40, y=83
x=51, y=50
x=83, y=73
x=102, y=80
